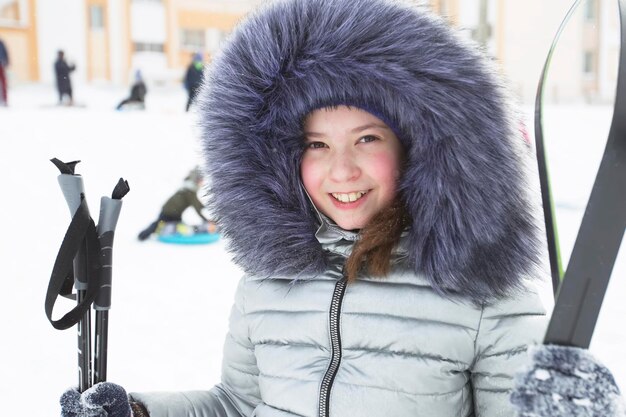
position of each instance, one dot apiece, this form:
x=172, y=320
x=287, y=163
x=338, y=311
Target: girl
x=374, y=156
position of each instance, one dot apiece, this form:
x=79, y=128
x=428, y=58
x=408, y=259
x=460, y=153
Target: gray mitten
x=102, y=400
x=566, y=381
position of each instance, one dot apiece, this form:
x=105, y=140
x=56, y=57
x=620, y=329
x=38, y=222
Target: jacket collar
x=337, y=240
x=333, y=238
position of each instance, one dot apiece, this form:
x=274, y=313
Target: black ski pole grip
x=109, y=214
x=65, y=167
x=107, y=221
x=121, y=189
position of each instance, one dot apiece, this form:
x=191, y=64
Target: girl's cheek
x=385, y=165
x=309, y=173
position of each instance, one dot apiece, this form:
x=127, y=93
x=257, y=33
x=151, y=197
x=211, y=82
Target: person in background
x=172, y=211
x=62, y=72
x=4, y=82
x=138, y=93
x=193, y=78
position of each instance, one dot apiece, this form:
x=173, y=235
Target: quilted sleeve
x=506, y=330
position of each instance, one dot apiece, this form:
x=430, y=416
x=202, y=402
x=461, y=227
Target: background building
x=109, y=39
x=18, y=31
x=518, y=36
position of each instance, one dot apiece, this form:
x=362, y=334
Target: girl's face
x=350, y=165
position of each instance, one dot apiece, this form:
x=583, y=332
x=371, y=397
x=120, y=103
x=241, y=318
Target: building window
x=192, y=39
x=588, y=62
x=96, y=17
x=9, y=11
x=590, y=10
x=214, y=39
x=148, y=47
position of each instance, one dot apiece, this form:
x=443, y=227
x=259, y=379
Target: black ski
x=601, y=232
x=556, y=267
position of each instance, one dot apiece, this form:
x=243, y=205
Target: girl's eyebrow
x=314, y=134
x=355, y=130
x=369, y=126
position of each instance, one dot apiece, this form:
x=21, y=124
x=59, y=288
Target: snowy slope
x=170, y=303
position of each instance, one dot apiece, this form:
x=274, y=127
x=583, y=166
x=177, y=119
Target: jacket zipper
x=335, y=347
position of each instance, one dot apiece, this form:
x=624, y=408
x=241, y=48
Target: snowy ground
x=171, y=303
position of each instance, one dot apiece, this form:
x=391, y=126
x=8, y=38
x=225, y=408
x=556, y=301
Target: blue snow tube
x=193, y=239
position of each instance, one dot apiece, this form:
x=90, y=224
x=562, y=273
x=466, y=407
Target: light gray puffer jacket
x=377, y=347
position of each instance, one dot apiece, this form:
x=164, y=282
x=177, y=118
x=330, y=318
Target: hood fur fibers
x=472, y=229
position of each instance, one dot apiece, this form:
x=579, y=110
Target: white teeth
x=349, y=197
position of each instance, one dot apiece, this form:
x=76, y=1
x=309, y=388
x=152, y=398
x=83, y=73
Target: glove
x=566, y=381
x=102, y=400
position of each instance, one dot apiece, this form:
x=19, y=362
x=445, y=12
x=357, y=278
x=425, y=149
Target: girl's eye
x=368, y=138
x=315, y=145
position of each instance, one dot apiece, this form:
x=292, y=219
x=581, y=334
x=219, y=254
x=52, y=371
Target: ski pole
x=74, y=193
x=109, y=214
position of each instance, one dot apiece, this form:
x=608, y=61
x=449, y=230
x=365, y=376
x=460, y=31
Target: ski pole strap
x=601, y=232
x=81, y=228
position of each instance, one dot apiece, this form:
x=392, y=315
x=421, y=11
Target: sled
x=193, y=239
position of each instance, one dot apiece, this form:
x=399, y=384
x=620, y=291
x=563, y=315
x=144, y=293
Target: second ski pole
x=109, y=214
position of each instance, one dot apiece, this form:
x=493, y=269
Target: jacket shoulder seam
x=478, y=328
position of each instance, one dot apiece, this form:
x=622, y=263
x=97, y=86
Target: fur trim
x=472, y=228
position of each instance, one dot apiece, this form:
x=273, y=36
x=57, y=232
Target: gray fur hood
x=472, y=227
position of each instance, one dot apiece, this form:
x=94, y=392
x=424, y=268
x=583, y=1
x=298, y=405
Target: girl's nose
x=344, y=168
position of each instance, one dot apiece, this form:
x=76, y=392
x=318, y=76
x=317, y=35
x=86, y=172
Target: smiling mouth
x=348, y=197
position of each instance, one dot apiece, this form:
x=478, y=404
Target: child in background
x=138, y=93
x=171, y=215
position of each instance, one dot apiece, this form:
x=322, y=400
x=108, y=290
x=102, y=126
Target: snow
x=171, y=303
